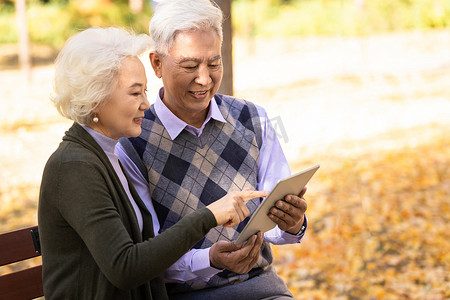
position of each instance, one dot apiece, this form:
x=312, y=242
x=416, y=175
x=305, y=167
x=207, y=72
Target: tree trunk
x=24, y=39
x=136, y=6
x=359, y=4
x=90, y=6
x=227, y=48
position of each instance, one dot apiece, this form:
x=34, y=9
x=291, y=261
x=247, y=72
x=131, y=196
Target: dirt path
x=326, y=96
x=342, y=95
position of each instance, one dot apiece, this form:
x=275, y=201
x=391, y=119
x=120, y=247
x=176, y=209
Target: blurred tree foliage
x=337, y=17
x=51, y=22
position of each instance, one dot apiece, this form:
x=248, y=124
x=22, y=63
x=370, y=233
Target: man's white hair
x=174, y=16
x=86, y=69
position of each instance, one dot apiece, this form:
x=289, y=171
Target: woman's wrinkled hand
x=231, y=210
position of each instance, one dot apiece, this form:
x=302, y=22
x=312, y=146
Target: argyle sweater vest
x=190, y=172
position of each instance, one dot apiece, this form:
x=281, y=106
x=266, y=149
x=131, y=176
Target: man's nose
x=203, y=76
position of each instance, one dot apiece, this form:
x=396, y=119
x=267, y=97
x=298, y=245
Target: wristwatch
x=303, y=228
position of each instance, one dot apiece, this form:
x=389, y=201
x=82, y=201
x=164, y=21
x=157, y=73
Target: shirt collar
x=175, y=125
x=108, y=144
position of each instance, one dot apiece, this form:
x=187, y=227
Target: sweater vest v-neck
x=190, y=172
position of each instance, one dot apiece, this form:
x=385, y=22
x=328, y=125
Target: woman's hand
x=231, y=210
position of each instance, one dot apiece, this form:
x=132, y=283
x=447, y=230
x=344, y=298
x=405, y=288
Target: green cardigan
x=92, y=247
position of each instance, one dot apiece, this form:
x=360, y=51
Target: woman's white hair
x=173, y=16
x=86, y=69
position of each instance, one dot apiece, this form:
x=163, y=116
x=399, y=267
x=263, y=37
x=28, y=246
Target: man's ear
x=156, y=62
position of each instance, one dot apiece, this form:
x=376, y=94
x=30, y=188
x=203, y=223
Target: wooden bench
x=18, y=246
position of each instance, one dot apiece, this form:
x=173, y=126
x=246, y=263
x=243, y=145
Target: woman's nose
x=145, y=103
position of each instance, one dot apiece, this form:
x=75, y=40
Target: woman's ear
x=156, y=62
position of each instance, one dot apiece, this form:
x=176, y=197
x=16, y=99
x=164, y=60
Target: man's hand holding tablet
x=261, y=221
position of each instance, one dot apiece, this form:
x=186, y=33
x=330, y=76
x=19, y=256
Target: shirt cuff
x=201, y=265
x=298, y=237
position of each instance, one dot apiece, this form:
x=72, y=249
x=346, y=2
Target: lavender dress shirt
x=108, y=145
x=273, y=166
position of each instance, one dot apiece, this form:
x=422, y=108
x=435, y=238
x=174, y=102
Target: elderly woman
x=220, y=144
x=96, y=234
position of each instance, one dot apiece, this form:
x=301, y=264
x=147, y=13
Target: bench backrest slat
x=24, y=284
x=16, y=246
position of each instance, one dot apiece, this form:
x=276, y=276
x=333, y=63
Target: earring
x=95, y=118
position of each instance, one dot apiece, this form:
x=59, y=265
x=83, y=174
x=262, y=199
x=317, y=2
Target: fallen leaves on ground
x=378, y=229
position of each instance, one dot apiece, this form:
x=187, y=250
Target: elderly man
x=195, y=147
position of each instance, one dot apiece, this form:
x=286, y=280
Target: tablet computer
x=291, y=185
